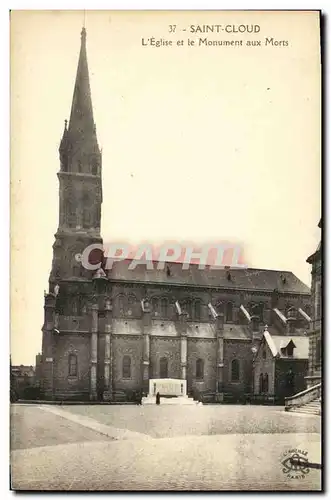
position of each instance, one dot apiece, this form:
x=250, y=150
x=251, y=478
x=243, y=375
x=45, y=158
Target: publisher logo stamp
x=295, y=463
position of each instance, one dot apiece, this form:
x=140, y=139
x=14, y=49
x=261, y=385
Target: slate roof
x=276, y=342
x=241, y=279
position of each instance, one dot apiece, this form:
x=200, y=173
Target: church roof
x=238, y=279
x=278, y=342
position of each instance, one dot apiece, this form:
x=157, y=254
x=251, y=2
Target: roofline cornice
x=206, y=287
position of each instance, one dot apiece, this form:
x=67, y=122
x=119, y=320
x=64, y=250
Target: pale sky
x=199, y=143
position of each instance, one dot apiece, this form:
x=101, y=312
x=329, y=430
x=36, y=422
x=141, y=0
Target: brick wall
x=205, y=349
x=127, y=346
x=240, y=350
x=168, y=348
x=64, y=346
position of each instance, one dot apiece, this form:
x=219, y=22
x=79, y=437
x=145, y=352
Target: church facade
x=107, y=331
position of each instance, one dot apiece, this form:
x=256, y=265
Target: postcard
x=166, y=273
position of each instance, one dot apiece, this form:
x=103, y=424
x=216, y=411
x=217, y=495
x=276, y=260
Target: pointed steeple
x=81, y=117
x=80, y=134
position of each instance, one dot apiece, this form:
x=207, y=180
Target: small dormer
x=287, y=350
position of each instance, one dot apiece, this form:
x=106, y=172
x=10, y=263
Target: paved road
x=170, y=421
x=159, y=448
x=32, y=427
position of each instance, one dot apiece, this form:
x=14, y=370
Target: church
x=111, y=331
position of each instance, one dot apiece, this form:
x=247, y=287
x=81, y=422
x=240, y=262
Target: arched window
x=72, y=365
x=94, y=166
x=199, y=369
x=97, y=215
x=131, y=304
x=74, y=308
x=235, y=370
x=121, y=305
x=164, y=308
x=261, y=313
x=80, y=305
x=220, y=308
x=288, y=308
x=65, y=162
x=86, y=211
x=261, y=383
x=291, y=312
x=257, y=311
x=197, y=310
x=187, y=306
x=307, y=309
x=126, y=367
x=255, y=324
x=229, y=312
x=163, y=368
x=155, y=306
x=70, y=211
x=266, y=383
x=84, y=307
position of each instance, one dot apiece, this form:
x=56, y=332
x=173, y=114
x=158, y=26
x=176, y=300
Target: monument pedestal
x=180, y=400
x=172, y=391
x=167, y=387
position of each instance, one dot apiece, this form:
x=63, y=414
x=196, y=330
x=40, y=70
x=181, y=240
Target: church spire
x=81, y=117
x=80, y=133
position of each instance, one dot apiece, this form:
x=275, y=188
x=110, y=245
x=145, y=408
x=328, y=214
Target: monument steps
x=172, y=392
x=179, y=400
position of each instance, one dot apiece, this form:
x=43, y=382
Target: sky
x=199, y=143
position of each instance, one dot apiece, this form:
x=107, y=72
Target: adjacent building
x=315, y=336
x=280, y=366
x=22, y=380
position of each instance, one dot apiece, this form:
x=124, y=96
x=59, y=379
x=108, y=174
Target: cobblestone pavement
x=154, y=448
x=170, y=421
x=31, y=427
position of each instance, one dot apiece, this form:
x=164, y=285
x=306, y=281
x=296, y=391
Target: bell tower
x=80, y=182
x=72, y=289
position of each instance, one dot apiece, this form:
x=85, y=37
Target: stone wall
x=165, y=339
x=126, y=345
x=205, y=349
x=65, y=345
x=165, y=348
x=241, y=351
x=299, y=368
